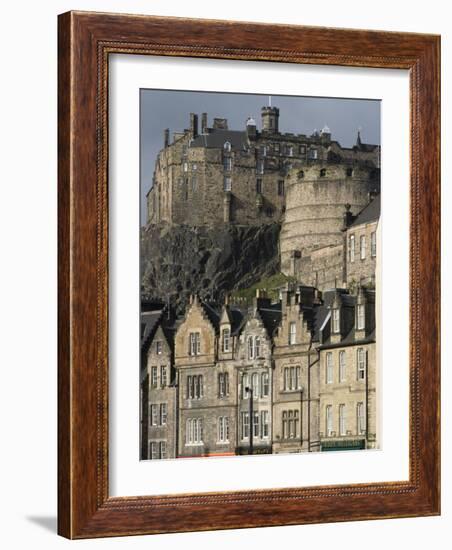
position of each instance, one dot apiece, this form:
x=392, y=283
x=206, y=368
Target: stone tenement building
x=250, y=176
x=293, y=376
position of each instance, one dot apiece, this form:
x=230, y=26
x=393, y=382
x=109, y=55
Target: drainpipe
x=309, y=389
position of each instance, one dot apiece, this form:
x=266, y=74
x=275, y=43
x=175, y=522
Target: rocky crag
x=178, y=260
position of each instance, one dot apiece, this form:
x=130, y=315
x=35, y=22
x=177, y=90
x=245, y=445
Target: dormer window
x=227, y=146
x=336, y=320
x=158, y=347
x=360, y=317
x=195, y=343
x=226, y=340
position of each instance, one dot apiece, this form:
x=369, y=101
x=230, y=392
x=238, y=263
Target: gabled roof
x=216, y=139
x=271, y=317
x=370, y=213
x=150, y=321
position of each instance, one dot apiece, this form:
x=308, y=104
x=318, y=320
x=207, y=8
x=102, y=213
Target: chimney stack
x=193, y=125
x=204, y=123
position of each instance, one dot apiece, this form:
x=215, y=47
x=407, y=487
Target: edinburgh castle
x=294, y=368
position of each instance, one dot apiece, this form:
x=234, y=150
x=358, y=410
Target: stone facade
x=158, y=393
x=261, y=379
x=218, y=175
x=347, y=358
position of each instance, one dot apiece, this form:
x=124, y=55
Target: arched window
x=323, y=172
x=227, y=146
x=265, y=384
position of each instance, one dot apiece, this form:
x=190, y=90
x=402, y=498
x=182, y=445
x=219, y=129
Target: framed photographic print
x=248, y=275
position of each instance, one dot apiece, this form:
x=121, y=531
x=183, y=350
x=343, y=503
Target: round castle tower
x=315, y=203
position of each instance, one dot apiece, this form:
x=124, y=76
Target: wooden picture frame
x=86, y=40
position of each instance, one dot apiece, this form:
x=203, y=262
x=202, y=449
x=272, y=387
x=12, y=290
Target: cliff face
x=178, y=260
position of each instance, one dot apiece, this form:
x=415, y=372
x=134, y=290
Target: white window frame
x=257, y=347
x=154, y=450
x=227, y=183
x=360, y=419
x=255, y=424
x=361, y=360
x=154, y=376
x=336, y=320
x=342, y=366
x=154, y=415
x=195, y=343
x=163, y=414
x=255, y=384
x=226, y=337
x=373, y=244
x=163, y=376
x=362, y=247
x=163, y=450
x=265, y=384
x=329, y=367
x=250, y=346
x=351, y=248
x=244, y=425
x=360, y=317
x=158, y=347
x=292, y=333
x=328, y=420
x=342, y=420
x=223, y=429
x=264, y=425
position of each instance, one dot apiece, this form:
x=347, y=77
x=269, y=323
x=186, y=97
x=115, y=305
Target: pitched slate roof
x=217, y=137
x=149, y=323
x=370, y=213
x=271, y=317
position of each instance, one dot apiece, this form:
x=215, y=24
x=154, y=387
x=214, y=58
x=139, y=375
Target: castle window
x=342, y=366
x=154, y=377
x=259, y=186
x=349, y=172
x=226, y=340
x=302, y=149
x=263, y=150
x=336, y=320
x=194, y=183
x=373, y=244
x=290, y=151
x=260, y=166
x=351, y=248
x=323, y=172
x=342, y=428
x=360, y=317
x=264, y=424
x=300, y=175
x=329, y=368
x=227, y=146
x=163, y=376
x=227, y=164
x=195, y=343
x=329, y=420
x=163, y=414
x=223, y=384
x=158, y=347
x=223, y=429
x=185, y=166
x=163, y=449
x=227, y=183
x=361, y=364
x=360, y=419
x=292, y=333
x=292, y=378
x=313, y=154
x=281, y=188
x=245, y=425
x=194, y=166
x=362, y=247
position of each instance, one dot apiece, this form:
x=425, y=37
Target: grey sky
x=162, y=109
